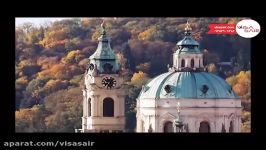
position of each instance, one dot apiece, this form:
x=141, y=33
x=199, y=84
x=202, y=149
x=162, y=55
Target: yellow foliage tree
x=54, y=37
x=57, y=70
x=139, y=79
x=212, y=68
x=231, y=80
x=25, y=119
x=47, y=62
x=22, y=80
x=147, y=34
x=73, y=56
x=241, y=84
x=54, y=84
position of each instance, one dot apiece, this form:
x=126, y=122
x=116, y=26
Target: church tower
x=103, y=95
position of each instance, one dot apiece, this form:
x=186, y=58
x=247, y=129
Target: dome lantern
x=187, y=57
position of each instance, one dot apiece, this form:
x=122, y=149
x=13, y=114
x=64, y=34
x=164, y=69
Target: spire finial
x=103, y=27
x=188, y=29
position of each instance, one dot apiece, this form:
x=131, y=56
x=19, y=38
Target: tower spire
x=104, y=57
x=188, y=29
x=103, y=28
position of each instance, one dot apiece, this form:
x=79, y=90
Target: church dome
x=187, y=41
x=190, y=85
x=187, y=78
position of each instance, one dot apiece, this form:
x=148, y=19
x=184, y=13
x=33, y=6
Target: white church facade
x=185, y=99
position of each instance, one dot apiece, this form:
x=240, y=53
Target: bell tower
x=103, y=95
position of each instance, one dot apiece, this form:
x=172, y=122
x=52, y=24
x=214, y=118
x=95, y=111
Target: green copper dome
x=188, y=40
x=184, y=80
x=190, y=85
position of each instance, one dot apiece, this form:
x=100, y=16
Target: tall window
x=108, y=107
x=192, y=63
x=168, y=127
x=231, y=128
x=204, y=127
x=223, y=128
x=199, y=63
x=182, y=63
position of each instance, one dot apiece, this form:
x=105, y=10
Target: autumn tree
x=47, y=62
x=64, y=108
x=28, y=67
x=144, y=67
x=54, y=85
x=133, y=89
x=212, y=68
x=73, y=56
x=241, y=84
x=246, y=119
x=152, y=33
x=30, y=120
x=139, y=79
x=76, y=80
x=54, y=38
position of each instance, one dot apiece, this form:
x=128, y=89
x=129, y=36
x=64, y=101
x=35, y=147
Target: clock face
x=109, y=82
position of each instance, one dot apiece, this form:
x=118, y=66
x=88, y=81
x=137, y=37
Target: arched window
x=199, y=63
x=223, y=128
x=231, y=128
x=89, y=107
x=204, y=127
x=182, y=63
x=108, y=107
x=107, y=68
x=168, y=127
x=192, y=63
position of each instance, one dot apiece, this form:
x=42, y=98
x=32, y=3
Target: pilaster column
x=93, y=106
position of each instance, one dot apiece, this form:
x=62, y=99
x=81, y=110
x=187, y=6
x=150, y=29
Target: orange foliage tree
x=54, y=38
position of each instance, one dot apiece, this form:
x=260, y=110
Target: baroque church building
x=103, y=95
x=185, y=99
